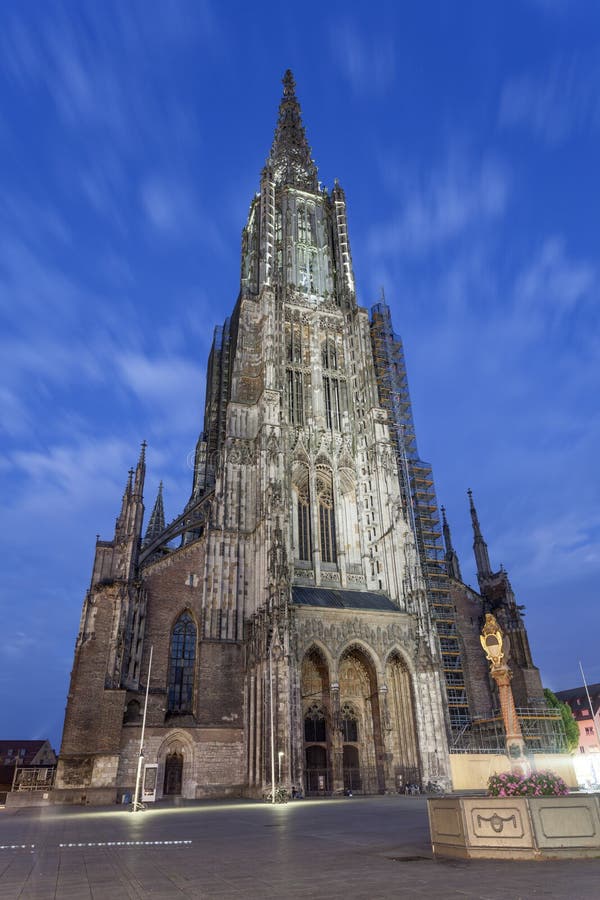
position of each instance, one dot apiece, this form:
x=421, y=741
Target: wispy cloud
x=458, y=195
x=93, y=63
x=367, y=61
x=173, y=211
x=551, y=287
x=556, y=104
x=15, y=418
x=169, y=385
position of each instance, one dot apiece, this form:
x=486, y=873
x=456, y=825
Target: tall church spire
x=452, y=563
x=140, y=472
x=290, y=158
x=156, y=525
x=480, y=549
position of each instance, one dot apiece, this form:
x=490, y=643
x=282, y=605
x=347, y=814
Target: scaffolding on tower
x=418, y=494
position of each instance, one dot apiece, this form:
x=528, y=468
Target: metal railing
x=33, y=778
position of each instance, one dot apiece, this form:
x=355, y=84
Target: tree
x=571, y=726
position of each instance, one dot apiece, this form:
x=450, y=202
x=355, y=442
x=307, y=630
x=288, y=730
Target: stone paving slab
x=345, y=849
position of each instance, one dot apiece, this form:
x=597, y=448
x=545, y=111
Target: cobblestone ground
x=351, y=848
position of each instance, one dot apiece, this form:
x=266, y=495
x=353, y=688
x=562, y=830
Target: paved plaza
x=348, y=848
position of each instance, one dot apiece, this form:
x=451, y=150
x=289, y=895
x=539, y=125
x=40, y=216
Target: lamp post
x=272, y=722
x=136, y=805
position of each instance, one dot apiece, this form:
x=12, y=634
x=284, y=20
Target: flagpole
x=590, y=705
x=136, y=801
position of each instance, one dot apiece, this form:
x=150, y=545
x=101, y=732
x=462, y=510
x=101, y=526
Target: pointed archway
x=316, y=716
x=404, y=744
x=173, y=774
x=360, y=720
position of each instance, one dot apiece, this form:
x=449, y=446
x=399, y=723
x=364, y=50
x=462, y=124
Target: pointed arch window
x=329, y=354
x=327, y=538
x=334, y=385
x=295, y=386
x=349, y=724
x=182, y=663
x=304, y=535
x=315, y=724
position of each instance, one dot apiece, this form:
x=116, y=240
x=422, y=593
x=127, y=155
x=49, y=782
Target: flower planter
x=470, y=827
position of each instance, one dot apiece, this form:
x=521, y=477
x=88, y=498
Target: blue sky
x=132, y=135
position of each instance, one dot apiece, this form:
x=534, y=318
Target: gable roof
x=16, y=748
x=336, y=599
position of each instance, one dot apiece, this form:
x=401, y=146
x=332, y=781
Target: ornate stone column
x=337, y=749
x=387, y=748
x=492, y=640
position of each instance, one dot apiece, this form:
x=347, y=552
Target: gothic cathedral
x=287, y=607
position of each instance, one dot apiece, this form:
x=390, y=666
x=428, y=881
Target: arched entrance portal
x=362, y=746
x=317, y=723
x=173, y=774
x=402, y=720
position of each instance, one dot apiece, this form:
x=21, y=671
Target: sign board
x=149, y=785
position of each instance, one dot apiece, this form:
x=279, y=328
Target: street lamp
x=137, y=805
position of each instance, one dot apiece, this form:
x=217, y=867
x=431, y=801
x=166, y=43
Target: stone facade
x=495, y=596
x=291, y=626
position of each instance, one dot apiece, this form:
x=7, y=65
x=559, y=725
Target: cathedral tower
x=292, y=622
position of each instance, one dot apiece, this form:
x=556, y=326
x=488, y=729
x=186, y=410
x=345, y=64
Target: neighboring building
x=27, y=753
x=541, y=726
x=299, y=620
x=20, y=755
x=587, y=761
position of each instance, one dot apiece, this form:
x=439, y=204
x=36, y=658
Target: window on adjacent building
x=182, y=662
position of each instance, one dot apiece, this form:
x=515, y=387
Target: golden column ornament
x=492, y=640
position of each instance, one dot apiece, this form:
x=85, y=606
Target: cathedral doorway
x=318, y=776
x=173, y=774
x=351, y=761
x=362, y=748
x=317, y=723
x=402, y=720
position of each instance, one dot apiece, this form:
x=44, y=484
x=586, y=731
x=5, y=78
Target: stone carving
x=356, y=579
x=273, y=446
x=242, y=452
x=382, y=639
x=330, y=576
x=497, y=822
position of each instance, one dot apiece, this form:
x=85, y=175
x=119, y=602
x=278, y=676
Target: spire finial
x=140, y=471
x=156, y=524
x=479, y=545
x=289, y=84
x=452, y=564
x=290, y=158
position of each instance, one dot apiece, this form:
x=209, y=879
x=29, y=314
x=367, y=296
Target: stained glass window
x=182, y=661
